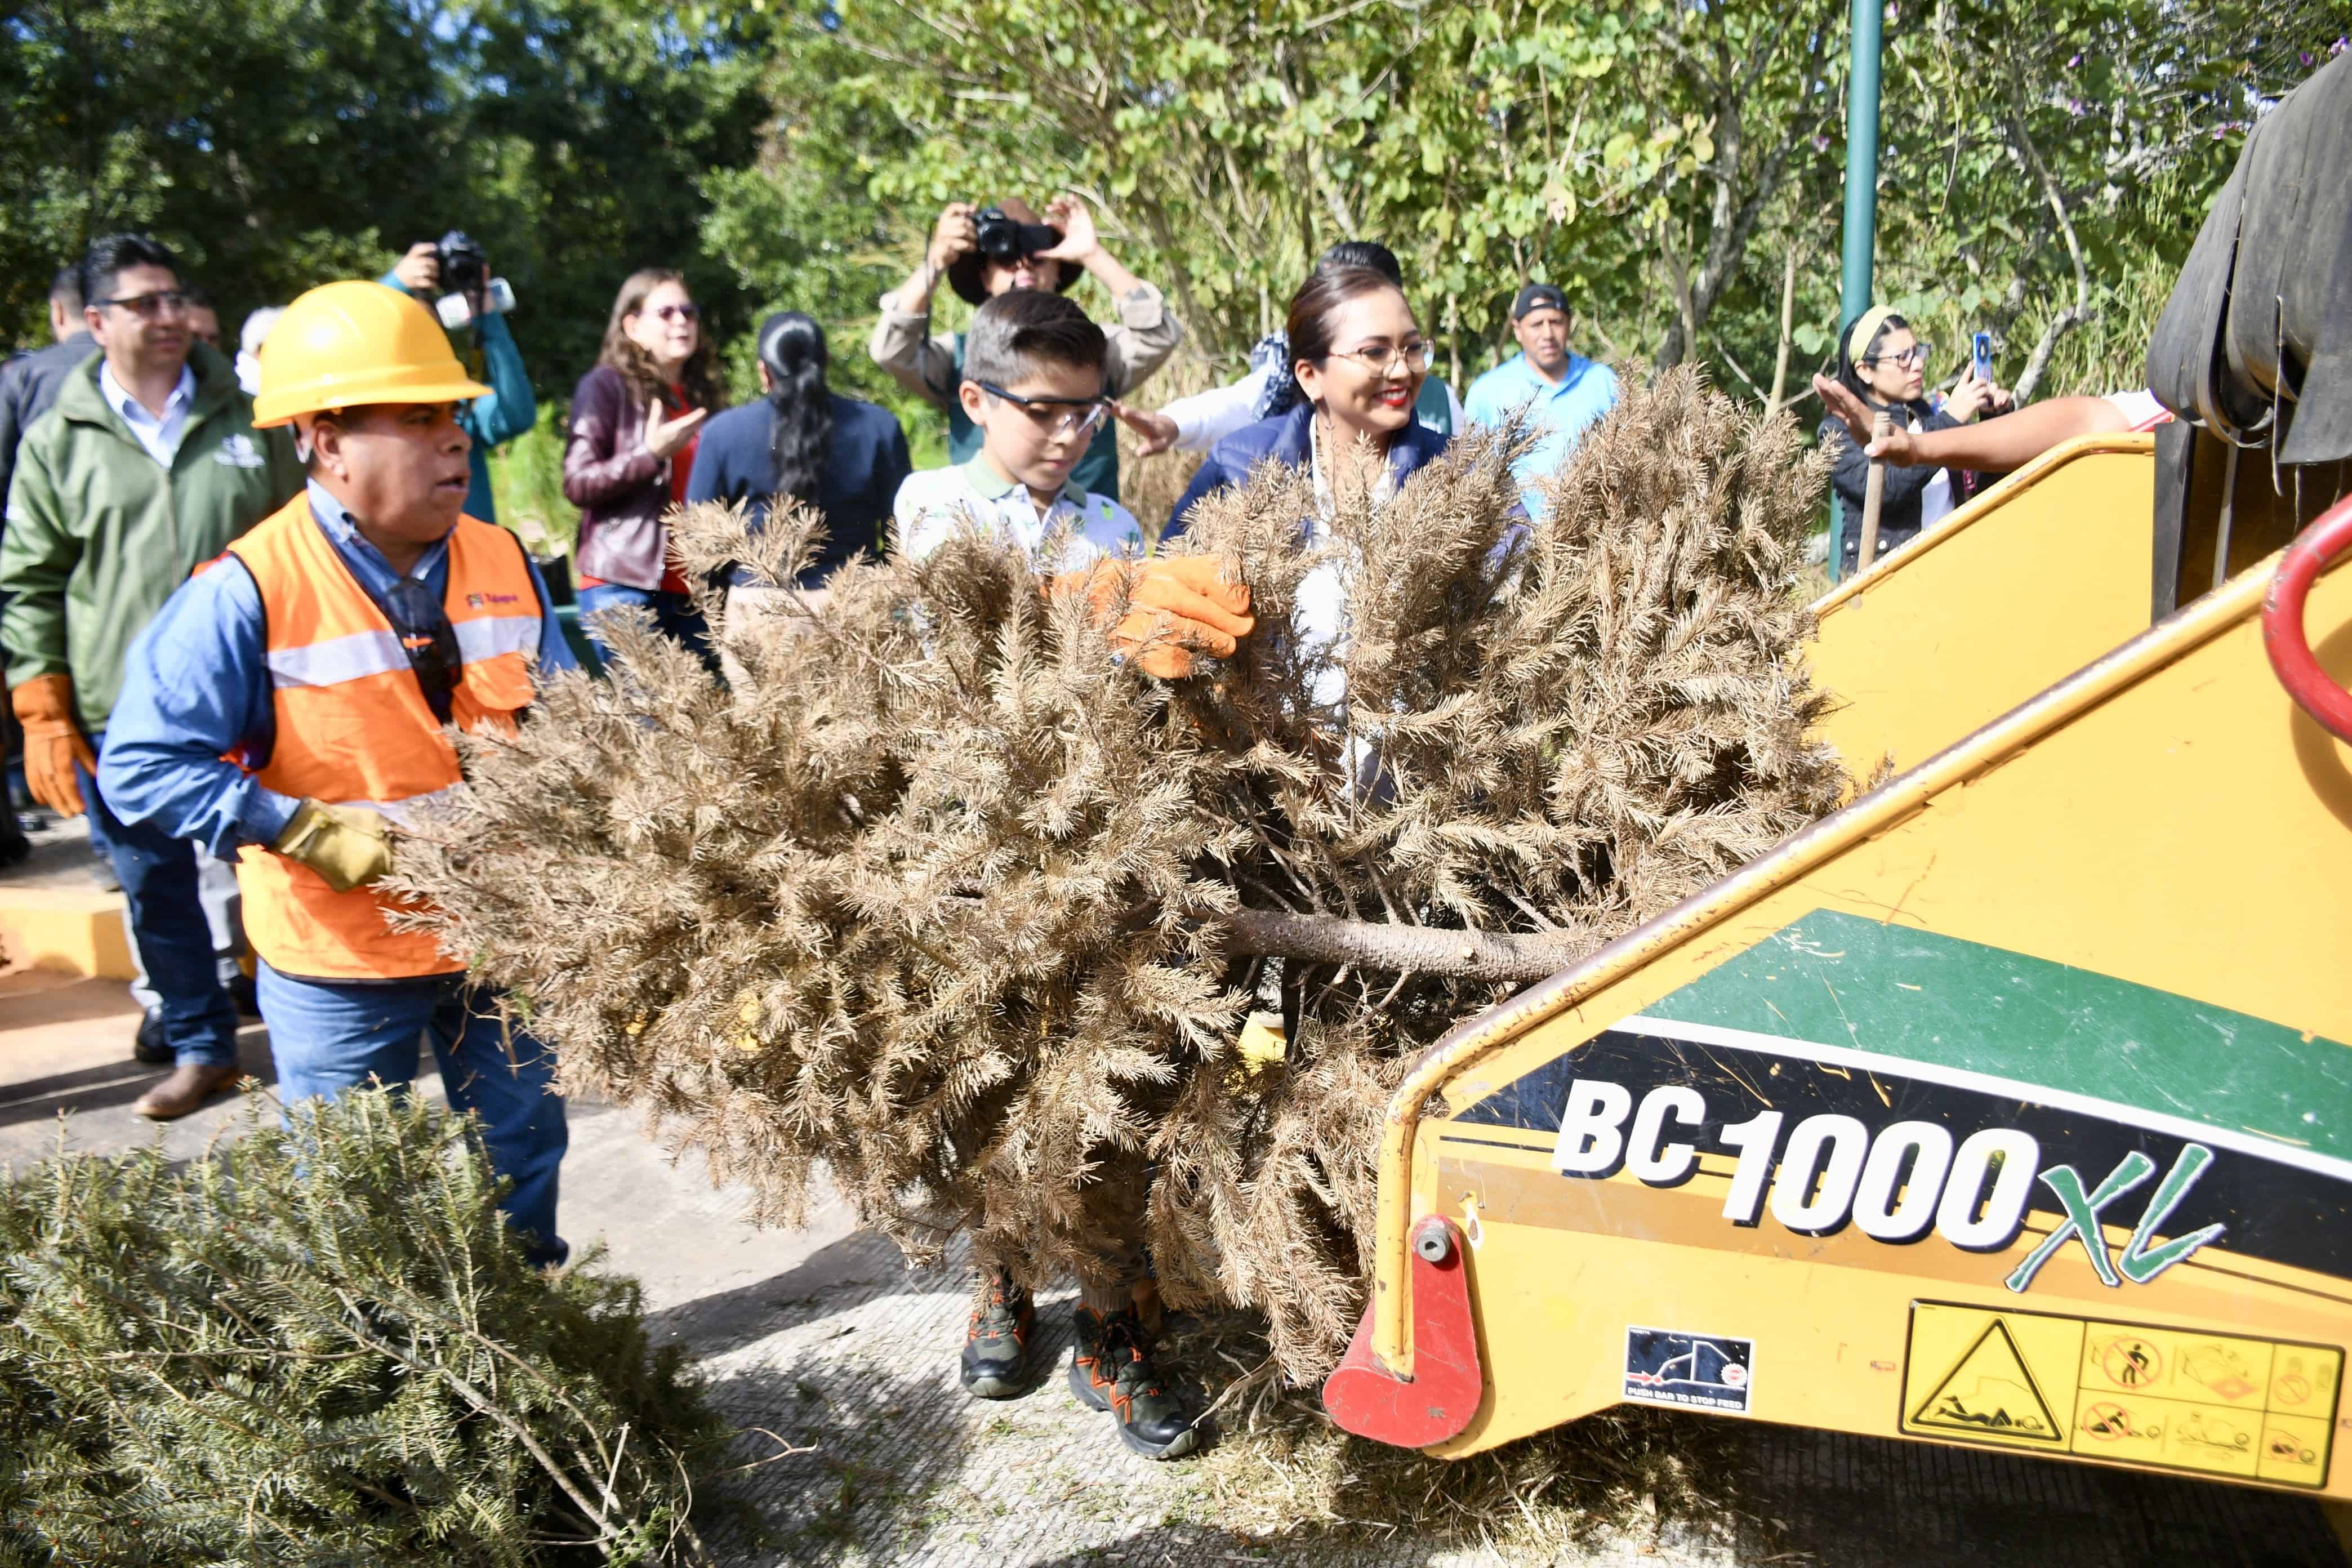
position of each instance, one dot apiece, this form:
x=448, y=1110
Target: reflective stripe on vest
x=354, y=727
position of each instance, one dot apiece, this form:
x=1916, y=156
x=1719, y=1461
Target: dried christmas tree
x=947, y=898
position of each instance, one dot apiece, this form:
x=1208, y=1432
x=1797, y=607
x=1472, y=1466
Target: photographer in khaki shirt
x=982, y=254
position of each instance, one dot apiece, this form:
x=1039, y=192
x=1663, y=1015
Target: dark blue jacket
x=864, y=463
x=1288, y=438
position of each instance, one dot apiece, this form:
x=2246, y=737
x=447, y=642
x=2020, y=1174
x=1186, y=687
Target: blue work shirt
x=196, y=688
x=866, y=461
x=1560, y=415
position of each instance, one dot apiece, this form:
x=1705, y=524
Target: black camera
x=465, y=266
x=1005, y=239
x=466, y=273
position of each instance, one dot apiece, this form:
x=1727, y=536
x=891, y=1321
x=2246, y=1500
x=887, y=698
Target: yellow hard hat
x=349, y=344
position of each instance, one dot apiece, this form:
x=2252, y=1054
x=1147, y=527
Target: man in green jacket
x=146, y=467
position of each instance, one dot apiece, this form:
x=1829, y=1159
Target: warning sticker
x=1712, y=1372
x=2216, y=1403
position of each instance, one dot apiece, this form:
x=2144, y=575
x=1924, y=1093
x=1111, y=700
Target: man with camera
x=982, y=253
x=451, y=277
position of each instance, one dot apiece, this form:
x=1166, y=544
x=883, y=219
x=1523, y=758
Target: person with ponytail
x=801, y=442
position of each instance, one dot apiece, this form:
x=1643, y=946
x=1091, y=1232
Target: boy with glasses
x=147, y=466
x=1032, y=388
x=1032, y=385
x=983, y=255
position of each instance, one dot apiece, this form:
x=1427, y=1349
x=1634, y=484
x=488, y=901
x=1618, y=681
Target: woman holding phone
x=1883, y=361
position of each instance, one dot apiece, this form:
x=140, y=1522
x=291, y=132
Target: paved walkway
x=825, y=1339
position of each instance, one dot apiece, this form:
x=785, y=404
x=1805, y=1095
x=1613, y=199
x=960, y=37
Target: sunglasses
x=680, y=313
x=149, y=306
x=1061, y=416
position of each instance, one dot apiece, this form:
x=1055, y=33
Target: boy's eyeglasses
x=1416, y=356
x=1059, y=416
x=680, y=313
x=149, y=306
x=1912, y=358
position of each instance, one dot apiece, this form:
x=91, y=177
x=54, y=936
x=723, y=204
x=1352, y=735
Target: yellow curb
x=67, y=932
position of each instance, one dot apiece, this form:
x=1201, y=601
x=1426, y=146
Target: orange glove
x=1175, y=607
x=53, y=742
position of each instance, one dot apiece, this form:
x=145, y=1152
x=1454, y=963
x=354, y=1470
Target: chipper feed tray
x=2009, y=1107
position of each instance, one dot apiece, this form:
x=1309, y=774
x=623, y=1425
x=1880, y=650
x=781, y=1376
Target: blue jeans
x=675, y=616
x=327, y=1036
x=166, y=913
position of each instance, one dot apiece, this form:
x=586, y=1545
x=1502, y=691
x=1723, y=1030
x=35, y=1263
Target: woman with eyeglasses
x=635, y=419
x=1359, y=359
x=1883, y=361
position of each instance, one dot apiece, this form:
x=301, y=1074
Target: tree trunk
x=1397, y=949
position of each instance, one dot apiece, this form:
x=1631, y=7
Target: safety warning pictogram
x=1991, y=1392
x=2169, y=1398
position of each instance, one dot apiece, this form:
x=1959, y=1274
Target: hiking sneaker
x=1111, y=1370
x=996, y=1342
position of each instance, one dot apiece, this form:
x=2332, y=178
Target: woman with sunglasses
x=635, y=419
x=1359, y=359
x=1883, y=361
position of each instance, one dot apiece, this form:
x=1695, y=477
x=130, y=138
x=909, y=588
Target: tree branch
x=1371, y=944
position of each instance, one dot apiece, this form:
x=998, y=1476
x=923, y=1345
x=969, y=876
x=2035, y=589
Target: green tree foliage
x=1676, y=166
x=281, y=143
x=1679, y=167
x=320, y=1344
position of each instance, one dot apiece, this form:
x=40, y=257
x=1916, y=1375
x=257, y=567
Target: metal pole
x=1861, y=160
x=1861, y=186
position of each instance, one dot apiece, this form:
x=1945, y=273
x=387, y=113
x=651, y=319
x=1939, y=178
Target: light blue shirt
x=160, y=436
x=933, y=503
x=1561, y=414
x=196, y=688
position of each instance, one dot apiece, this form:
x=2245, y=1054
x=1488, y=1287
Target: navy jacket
x=864, y=465
x=28, y=388
x=1288, y=438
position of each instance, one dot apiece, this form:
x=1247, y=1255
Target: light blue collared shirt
x=160, y=436
x=1557, y=414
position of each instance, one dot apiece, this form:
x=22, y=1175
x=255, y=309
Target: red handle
x=2318, y=547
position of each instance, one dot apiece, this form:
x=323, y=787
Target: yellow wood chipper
x=2009, y=1106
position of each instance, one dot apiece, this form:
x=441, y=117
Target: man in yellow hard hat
x=325, y=651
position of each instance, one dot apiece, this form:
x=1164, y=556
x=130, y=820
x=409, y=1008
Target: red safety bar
x=1446, y=1385
x=2318, y=547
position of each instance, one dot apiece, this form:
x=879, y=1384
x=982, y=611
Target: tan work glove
x=349, y=846
x=53, y=742
x=1175, y=607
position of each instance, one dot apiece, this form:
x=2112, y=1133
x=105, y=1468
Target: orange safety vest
x=354, y=727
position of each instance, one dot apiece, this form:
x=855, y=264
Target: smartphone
x=1984, y=356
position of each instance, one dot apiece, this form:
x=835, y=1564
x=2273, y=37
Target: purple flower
x=2075, y=62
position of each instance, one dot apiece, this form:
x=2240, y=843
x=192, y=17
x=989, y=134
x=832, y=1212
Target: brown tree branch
x=1392, y=949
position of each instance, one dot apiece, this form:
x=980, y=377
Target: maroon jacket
x=621, y=489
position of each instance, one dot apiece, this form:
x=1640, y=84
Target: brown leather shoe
x=190, y=1084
